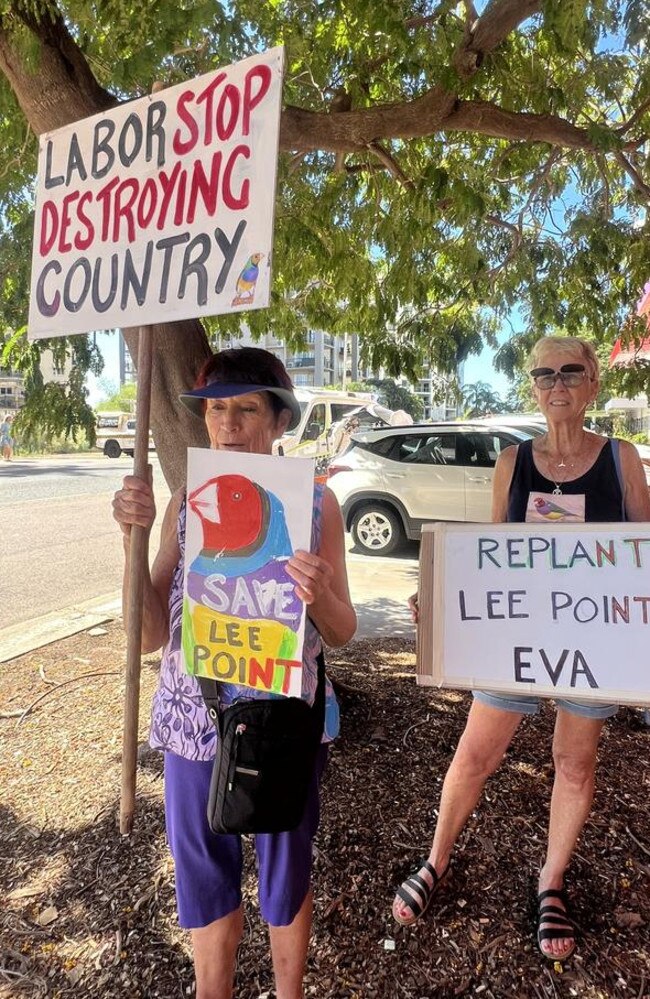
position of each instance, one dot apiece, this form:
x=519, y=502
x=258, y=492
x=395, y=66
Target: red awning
x=629, y=354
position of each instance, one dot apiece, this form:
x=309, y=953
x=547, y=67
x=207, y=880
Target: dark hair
x=247, y=366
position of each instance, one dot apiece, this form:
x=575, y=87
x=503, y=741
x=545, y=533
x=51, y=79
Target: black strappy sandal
x=560, y=922
x=421, y=892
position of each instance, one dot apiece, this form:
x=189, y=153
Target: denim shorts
x=209, y=866
x=524, y=705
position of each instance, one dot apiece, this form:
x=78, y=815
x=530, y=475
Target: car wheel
x=376, y=530
x=112, y=449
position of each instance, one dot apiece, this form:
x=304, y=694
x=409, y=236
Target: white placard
x=162, y=208
x=552, y=613
x=242, y=620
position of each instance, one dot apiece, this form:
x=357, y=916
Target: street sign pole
x=137, y=566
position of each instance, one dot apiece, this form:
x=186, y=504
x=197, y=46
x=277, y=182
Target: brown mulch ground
x=86, y=913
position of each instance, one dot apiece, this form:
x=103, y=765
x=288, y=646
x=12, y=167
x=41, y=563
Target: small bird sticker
x=247, y=280
x=550, y=510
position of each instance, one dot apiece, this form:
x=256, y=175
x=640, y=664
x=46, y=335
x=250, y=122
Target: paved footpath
x=379, y=587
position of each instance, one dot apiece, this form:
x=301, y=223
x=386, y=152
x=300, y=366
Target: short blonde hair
x=571, y=344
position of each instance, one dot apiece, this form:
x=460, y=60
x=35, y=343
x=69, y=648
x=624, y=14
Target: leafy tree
x=122, y=401
x=520, y=397
x=398, y=397
x=439, y=165
x=480, y=400
x=387, y=392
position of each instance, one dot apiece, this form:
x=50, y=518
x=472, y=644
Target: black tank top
x=600, y=485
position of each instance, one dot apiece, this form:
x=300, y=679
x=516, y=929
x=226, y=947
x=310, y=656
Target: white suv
x=390, y=482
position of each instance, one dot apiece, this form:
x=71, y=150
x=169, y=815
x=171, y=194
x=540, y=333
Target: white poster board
x=559, y=612
x=242, y=620
x=162, y=208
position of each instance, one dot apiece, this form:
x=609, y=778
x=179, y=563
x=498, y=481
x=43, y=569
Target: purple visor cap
x=226, y=390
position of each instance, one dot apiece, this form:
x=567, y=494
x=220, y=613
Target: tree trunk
x=179, y=350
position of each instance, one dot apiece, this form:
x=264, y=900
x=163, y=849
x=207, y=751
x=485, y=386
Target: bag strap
x=318, y=707
x=210, y=693
x=616, y=455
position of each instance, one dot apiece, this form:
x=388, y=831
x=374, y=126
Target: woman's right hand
x=414, y=608
x=134, y=504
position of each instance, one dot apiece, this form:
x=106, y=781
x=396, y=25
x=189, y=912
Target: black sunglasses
x=571, y=376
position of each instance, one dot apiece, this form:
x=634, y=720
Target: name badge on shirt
x=547, y=508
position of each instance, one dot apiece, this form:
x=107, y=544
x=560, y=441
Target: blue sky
x=108, y=344
x=480, y=368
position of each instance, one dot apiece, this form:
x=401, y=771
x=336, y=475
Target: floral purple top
x=179, y=719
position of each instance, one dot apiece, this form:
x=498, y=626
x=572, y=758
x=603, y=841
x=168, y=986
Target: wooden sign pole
x=137, y=566
x=424, y=632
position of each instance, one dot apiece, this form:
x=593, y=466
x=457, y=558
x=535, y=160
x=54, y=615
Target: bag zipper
x=239, y=731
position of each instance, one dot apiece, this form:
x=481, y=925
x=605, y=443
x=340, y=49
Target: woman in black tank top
x=568, y=474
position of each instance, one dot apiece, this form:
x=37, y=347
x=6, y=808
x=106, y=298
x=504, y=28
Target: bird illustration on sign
x=551, y=510
x=241, y=615
x=247, y=280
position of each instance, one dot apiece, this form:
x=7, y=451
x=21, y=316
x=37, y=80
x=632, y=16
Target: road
x=60, y=548
x=59, y=544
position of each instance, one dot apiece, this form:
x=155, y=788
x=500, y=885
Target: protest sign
x=242, y=621
x=550, y=613
x=160, y=209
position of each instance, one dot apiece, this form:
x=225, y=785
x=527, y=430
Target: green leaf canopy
x=443, y=164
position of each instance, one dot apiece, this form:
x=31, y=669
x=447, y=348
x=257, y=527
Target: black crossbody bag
x=266, y=755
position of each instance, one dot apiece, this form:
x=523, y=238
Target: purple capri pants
x=209, y=865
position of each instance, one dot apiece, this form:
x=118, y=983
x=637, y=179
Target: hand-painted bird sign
x=242, y=621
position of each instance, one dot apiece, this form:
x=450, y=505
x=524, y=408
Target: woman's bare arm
x=323, y=580
x=636, y=495
x=133, y=504
x=503, y=471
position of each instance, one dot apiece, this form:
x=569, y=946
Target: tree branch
x=499, y=18
x=638, y=114
x=424, y=20
x=436, y=111
x=391, y=164
x=632, y=172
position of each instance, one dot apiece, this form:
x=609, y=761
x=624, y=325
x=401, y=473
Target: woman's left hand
x=312, y=574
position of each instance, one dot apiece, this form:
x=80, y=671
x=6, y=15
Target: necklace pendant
x=561, y=464
x=557, y=491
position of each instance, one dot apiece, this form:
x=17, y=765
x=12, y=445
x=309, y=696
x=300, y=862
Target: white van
x=116, y=434
x=319, y=409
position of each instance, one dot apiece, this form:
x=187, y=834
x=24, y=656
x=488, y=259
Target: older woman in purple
x=246, y=399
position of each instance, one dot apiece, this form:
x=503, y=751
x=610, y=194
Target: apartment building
x=12, y=383
x=12, y=393
x=324, y=360
x=426, y=388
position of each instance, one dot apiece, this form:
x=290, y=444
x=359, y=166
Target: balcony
x=301, y=361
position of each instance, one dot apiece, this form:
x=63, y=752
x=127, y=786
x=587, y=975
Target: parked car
x=326, y=421
x=532, y=424
x=319, y=409
x=116, y=434
x=389, y=482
